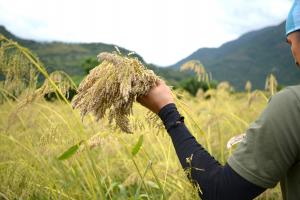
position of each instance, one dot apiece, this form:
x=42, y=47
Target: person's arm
x=214, y=180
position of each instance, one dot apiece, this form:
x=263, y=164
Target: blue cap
x=293, y=20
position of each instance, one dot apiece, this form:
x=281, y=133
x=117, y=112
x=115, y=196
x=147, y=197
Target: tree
x=89, y=63
x=192, y=85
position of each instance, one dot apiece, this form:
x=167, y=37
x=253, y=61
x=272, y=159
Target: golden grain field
x=106, y=162
x=34, y=136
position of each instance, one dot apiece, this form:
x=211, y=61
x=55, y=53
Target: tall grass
x=31, y=143
x=108, y=164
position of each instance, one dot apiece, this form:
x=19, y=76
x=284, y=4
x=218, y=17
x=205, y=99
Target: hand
x=158, y=96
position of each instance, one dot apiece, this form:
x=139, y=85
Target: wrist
x=162, y=105
x=164, y=109
x=170, y=116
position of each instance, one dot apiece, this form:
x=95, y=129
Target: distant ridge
x=69, y=56
x=60, y=55
x=250, y=57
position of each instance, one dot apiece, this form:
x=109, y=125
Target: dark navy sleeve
x=214, y=180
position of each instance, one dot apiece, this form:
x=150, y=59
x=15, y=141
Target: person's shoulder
x=294, y=91
x=289, y=94
x=285, y=103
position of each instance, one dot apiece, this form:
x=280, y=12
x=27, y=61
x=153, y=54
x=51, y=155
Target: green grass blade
x=70, y=152
x=137, y=146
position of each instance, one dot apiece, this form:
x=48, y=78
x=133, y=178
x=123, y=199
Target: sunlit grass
x=34, y=137
x=107, y=163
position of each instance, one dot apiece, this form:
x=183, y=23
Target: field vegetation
x=48, y=152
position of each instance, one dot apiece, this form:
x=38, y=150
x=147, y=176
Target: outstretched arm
x=215, y=181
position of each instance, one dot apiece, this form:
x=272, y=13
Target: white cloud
x=162, y=31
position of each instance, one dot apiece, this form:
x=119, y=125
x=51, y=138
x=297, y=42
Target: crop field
x=33, y=137
x=49, y=152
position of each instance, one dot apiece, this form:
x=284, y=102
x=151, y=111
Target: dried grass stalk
x=112, y=87
x=248, y=87
x=63, y=82
x=271, y=84
x=197, y=67
x=16, y=69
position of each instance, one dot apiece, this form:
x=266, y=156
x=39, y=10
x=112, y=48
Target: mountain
x=69, y=57
x=252, y=57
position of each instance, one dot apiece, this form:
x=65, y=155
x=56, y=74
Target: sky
x=161, y=31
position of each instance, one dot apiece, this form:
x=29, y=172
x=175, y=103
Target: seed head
x=112, y=87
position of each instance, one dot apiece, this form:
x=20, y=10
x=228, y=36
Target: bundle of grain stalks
x=112, y=87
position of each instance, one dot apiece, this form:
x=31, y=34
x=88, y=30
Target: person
x=270, y=152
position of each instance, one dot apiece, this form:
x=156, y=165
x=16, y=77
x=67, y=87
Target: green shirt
x=270, y=152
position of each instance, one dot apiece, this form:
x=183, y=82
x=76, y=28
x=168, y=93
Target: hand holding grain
x=158, y=96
